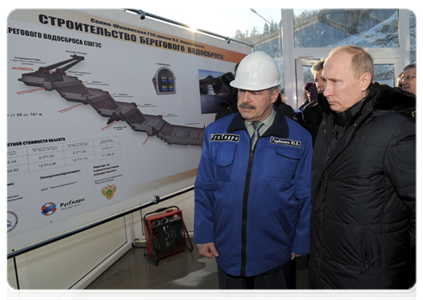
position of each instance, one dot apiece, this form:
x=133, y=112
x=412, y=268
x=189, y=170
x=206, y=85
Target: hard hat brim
x=251, y=87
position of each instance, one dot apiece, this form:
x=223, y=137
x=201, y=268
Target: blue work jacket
x=254, y=204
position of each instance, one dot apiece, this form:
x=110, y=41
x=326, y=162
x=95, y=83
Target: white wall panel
x=63, y=264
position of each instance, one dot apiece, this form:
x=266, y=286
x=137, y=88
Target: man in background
x=317, y=70
x=311, y=114
x=410, y=82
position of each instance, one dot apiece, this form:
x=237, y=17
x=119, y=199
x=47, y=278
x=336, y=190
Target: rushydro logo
x=11, y=221
x=48, y=209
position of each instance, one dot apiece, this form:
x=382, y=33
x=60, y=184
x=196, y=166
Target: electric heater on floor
x=165, y=233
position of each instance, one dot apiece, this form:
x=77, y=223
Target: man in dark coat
x=311, y=114
x=363, y=180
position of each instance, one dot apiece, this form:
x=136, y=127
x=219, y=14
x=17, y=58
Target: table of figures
x=33, y=158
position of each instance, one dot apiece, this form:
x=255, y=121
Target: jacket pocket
x=283, y=221
x=224, y=160
x=285, y=162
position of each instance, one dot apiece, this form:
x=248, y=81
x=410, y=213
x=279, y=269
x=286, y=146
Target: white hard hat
x=257, y=71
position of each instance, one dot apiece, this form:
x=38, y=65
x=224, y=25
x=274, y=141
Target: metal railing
x=156, y=200
x=144, y=14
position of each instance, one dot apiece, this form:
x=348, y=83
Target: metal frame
x=156, y=200
x=399, y=56
x=144, y=14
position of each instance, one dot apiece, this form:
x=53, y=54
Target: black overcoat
x=363, y=195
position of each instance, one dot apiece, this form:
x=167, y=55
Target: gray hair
x=414, y=66
x=272, y=89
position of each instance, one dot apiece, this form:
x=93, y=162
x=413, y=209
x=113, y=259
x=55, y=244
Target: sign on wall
x=102, y=108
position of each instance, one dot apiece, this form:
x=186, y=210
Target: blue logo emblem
x=48, y=209
x=12, y=221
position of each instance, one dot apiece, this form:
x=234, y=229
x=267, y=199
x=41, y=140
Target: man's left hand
x=293, y=256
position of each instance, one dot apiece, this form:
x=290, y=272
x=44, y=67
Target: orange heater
x=165, y=233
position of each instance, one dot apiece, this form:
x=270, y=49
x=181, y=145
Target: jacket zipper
x=366, y=263
x=244, y=214
x=364, y=254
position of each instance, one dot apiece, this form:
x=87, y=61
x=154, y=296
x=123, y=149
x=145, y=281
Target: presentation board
x=104, y=111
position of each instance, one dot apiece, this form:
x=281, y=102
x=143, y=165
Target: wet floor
x=181, y=270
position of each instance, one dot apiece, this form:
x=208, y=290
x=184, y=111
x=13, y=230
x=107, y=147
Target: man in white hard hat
x=252, y=192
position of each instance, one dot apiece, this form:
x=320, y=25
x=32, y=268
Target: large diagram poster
x=102, y=107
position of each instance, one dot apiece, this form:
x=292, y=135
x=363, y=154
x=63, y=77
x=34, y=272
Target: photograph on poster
x=212, y=91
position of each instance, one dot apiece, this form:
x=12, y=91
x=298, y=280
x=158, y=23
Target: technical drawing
x=72, y=89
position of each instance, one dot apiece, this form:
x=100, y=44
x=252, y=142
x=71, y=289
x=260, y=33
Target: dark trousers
x=242, y=288
x=291, y=274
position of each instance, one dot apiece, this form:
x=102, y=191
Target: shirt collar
x=279, y=128
x=266, y=124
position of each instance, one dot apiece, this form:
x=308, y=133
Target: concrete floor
x=181, y=270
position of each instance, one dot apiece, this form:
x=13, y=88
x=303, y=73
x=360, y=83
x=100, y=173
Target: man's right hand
x=208, y=250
